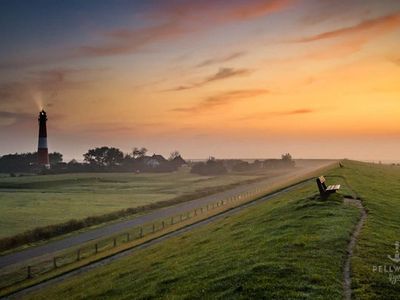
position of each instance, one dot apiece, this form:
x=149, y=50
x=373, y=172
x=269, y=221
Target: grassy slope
x=290, y=247
x=34, y=201
x=379, y=188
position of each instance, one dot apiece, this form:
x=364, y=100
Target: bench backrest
x=322, y=180
x=321, y=184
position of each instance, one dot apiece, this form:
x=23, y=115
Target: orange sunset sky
x=244, y=79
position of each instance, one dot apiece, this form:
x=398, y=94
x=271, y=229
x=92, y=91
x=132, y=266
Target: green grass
x=379, y=188
x=36, y=201
x=290, y=247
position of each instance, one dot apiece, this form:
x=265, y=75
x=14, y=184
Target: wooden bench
x=323, y=189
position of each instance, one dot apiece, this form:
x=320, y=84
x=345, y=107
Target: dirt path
x=351, y=245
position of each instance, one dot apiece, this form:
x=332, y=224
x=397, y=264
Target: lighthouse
x=43, y=152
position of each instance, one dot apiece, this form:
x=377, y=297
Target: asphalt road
x=105, y=261
x=109, y=230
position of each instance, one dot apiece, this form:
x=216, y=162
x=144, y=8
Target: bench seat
x=333, y=187
x=324, y=190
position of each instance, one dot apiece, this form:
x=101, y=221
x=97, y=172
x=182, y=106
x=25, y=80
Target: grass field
x=34, y=201
x=292, y=247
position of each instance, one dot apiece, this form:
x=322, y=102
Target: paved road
x=105, y=261
x=108, y=230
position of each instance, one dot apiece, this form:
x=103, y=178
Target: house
x=178, y=161
x=155, y=161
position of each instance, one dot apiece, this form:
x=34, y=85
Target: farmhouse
x=155, y=161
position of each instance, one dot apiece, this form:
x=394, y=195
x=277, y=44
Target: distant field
x=32, y=201
x=292, y=247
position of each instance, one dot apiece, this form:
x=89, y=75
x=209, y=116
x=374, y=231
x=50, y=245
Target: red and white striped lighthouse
x=43, y=152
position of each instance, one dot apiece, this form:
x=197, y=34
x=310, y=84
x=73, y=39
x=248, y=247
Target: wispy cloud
x=337, y=11
x=46, y=85
x=178, y=19
x=123, y=41
x=268, y=114
x=379, y=25
x=10, y=120
x=173, y=20
x=19, y=120
x=222, y=59
x=396, y=61
x=121, y=127
x=14, y=115
x=254, y=9
x=222, y=99
x=345, y=41
x=222, y=73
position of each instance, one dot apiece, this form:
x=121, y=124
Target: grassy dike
x=378, y=186
x=292, y=246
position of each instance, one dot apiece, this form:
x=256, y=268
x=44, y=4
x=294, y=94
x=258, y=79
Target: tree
x=136, y=152
x=104, y=156
x=286, y=157
x=174, y=154
x=211, y=167
x=55, y=158
x=25, y=162
x=287, y=160
x=16, y=162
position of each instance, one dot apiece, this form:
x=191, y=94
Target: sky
x=230, y=79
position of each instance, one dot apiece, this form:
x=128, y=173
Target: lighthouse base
x=43, y=158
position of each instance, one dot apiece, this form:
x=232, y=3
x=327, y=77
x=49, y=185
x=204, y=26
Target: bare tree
x=174, y=154
x=136, y=152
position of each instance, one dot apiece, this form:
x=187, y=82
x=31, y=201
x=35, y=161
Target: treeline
x=101, y=159
x=218, y=167
x=110, y=159
x=25, y=162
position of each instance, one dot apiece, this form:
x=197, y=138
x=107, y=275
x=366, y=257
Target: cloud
x=222, y=73
x=223, y=59
x=208, y=13
x=345, y=41
x=264, y=115
x=379, y=25
x=24, y=62
x=11, y=120
x=296, y=112
x=179, y=19
x=20, y=121
x=222, y=99
x=396, y=61
x=120, y=127
x=171, y=20
x=338, y=11
x=123, y=41
x=14, y=115
x=43, y=87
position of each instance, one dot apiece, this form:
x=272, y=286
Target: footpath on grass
x=352, y=244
